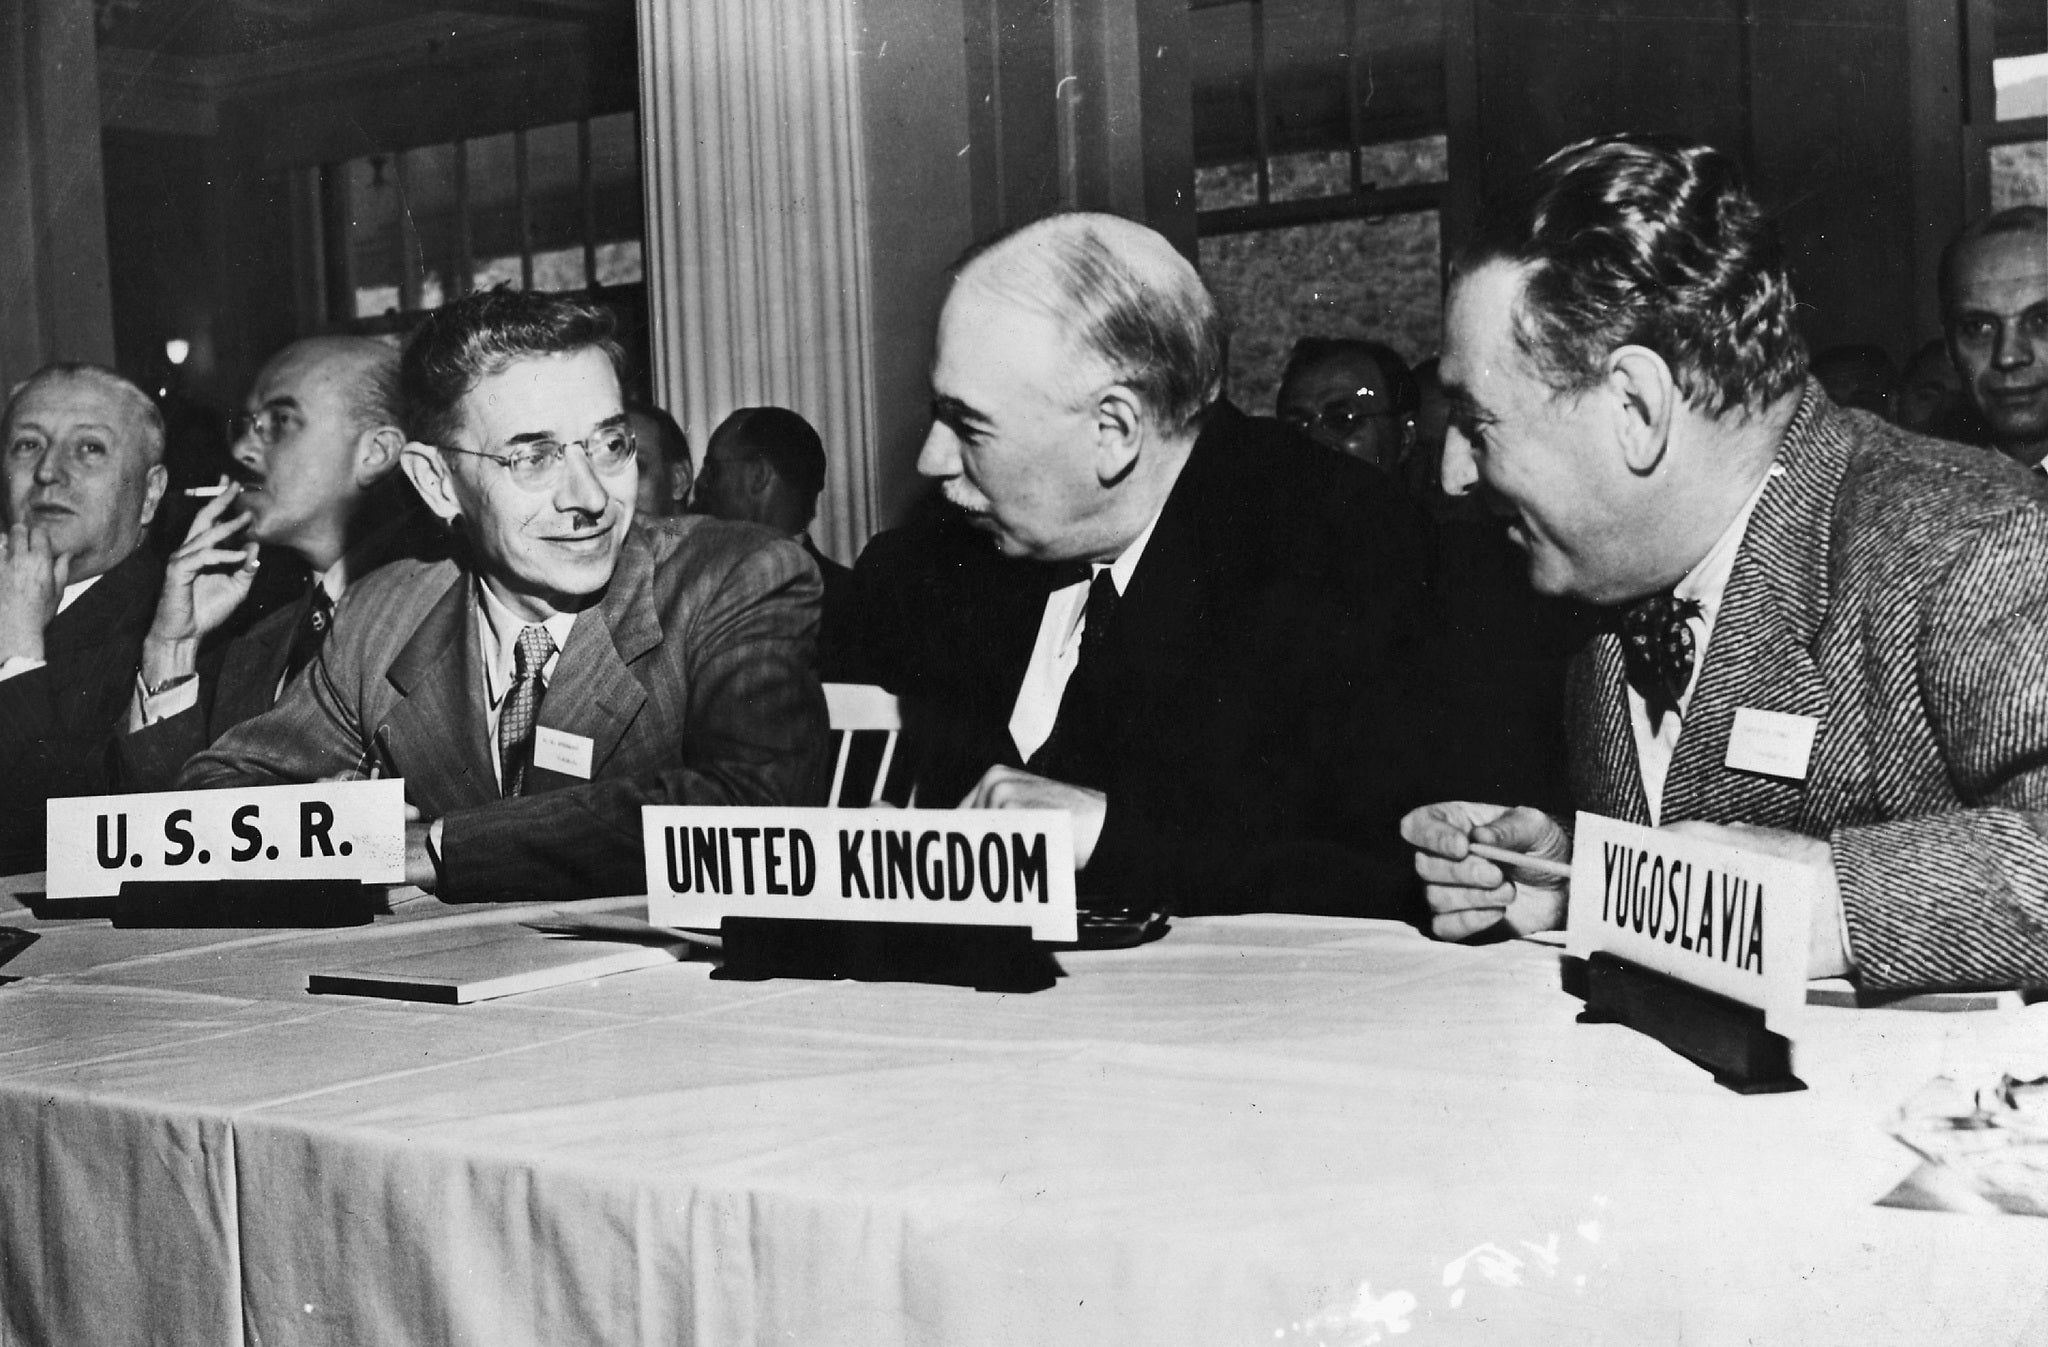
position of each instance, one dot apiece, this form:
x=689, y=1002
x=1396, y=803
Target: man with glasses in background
x=1351, y=395
x=567, y=665
x=317, y=451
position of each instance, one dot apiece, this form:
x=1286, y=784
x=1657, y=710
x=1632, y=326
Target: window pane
x=554, y=177
x=2021, y=86
x=619, y=263
x=494, y=211
x=1297, y=177
x=1354, y=278
x=429, y=183
x=370, y=206
x=2019, y=174
x=1223, y=185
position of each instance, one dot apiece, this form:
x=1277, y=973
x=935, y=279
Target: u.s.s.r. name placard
x=324, y=830
x=1725, y=918
x=950, y=867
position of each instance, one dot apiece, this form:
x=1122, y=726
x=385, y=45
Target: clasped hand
x=32, y=580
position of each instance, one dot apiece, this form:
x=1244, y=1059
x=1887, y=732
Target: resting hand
x=1014, y=788
x=419, y=861
x=1469, y=894
x=32, y=580
x=1827, y=955
x=204, y=582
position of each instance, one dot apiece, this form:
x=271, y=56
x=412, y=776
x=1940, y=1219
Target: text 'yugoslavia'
x=1650, y=896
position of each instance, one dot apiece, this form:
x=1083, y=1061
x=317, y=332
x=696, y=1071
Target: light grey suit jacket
x=694, y=678
x=1894, y=588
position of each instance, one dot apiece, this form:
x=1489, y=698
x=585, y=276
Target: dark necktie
x=311, y=631
x=1070, y=748
x=522, y=707
x=1657, y=650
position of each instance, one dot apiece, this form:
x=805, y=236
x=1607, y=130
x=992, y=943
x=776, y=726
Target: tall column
x=757, y=261
x=53, y=221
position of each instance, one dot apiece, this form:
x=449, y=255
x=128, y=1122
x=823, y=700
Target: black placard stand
x=1726, y=1037
x=247, y=902
x=987, y=958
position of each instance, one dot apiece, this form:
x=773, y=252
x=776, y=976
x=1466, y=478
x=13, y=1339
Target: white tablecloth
x=1260, y=1130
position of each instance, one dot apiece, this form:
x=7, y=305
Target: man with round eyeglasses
x=1351, y=395
x=316, y=453
x=566, y=665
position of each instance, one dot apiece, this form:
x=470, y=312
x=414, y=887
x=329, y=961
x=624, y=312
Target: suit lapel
x=1607, y=777
x=252, y=666
x=594, y=694
x=437, y=728
x=1762, y=653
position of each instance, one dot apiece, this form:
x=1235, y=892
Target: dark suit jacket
x=693, y=677
x=1252, y=736
x=836, y=660
x=57, y=722
x=1892, y=587
x=240, y=667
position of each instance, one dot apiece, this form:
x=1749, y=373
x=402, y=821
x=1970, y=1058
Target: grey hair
x=140, y=403
x=1125, y=297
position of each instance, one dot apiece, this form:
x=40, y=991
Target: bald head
x=1075, y=360
x=319, y=434
x=1129, y=305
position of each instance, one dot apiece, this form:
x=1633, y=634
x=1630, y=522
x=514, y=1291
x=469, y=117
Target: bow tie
x=1657, y=650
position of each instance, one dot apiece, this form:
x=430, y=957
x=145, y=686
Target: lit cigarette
x=204, y=492
x=1502, y=856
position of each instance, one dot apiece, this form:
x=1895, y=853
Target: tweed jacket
x=57, y=722
x=694, y=678
x=1895, y=589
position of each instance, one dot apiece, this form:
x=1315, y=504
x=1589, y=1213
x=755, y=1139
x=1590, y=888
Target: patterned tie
x=522, y=707
x=311, y=631
x=1069, y=749
x=1657, y=650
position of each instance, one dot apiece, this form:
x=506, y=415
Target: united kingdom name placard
x=952, y=867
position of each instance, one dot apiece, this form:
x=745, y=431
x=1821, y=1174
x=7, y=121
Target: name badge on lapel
x=1774, y=743
x=561, y=751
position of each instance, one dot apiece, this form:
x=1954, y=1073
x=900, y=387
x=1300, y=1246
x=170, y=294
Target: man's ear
x=154, y=483
x=377, y=454
x=1120, y=426
x=431, y=477
x=1644, y=400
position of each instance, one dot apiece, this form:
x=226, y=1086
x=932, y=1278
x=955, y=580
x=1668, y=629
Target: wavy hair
x=1651, y=241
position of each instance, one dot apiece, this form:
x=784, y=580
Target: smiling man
x=568, y=665
x=1211, y=688
x=84, y=463
x=1625, y=378
x=318, y=450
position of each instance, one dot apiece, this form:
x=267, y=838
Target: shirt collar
x=499, y=627
x=1126, y=565
x=75, y=591
x=1707, y=581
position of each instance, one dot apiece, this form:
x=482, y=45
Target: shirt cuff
x=146, y=710
x=18, y=664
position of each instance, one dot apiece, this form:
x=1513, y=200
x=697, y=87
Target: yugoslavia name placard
x=953, y=867
x=325, y=830
x=1720, y=917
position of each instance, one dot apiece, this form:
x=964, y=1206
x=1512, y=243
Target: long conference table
x=1258, y=1130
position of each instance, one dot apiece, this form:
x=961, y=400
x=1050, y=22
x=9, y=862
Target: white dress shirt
x=1704, y=584
x=498, y=629
x=1058, y=648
